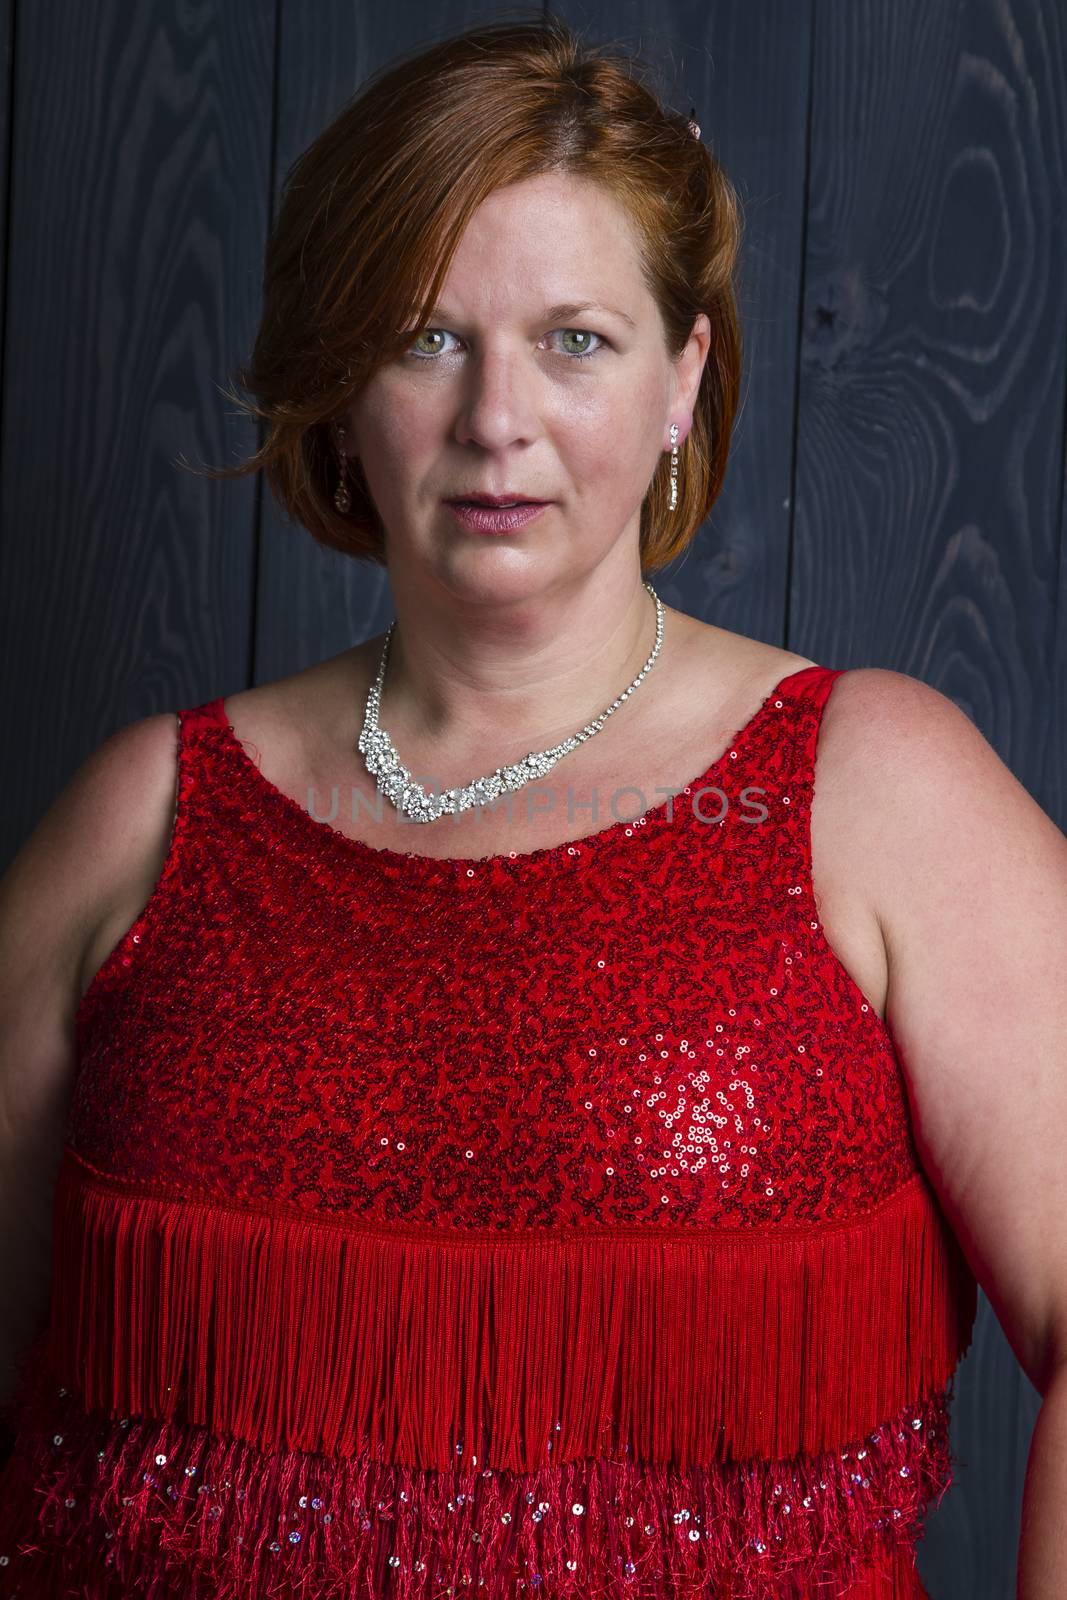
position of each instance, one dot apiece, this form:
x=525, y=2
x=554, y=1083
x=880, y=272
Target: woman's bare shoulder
x=93, y=840
x=96, y=848
x=118, y=810
x=888, y=748
x=730, y=669
x=880, y=724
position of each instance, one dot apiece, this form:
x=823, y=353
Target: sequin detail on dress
x=235, y=1520
x=374, y=1157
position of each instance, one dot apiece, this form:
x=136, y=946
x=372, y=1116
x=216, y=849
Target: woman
x=572, y=1182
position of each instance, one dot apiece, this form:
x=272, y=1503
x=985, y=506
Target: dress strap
x=809, y=693
x=192, y=831
x=813, y=691
x=211, y=712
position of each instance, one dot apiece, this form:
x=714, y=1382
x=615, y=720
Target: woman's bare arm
x=968, y=879
x=90, y=862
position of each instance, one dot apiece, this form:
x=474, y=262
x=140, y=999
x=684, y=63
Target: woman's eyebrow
x=569, y=308
x=576, y=307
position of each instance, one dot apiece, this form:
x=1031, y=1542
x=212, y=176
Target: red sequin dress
x=548, y=1224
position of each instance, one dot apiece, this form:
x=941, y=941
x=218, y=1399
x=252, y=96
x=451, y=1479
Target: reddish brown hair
x=373, y=211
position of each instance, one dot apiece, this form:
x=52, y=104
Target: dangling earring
x=674, y=465
x=341, y=499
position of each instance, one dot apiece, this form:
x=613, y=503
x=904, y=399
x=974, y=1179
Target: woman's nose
x=498, y=399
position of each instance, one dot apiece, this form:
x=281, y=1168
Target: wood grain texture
x=140, y=146
x=897, y=491
x=929, y=477
x=920, y=414
x=7, y=61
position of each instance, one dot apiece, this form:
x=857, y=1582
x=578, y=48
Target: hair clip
x=694, y=126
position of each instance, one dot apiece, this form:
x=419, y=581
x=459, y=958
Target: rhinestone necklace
x=396, y=783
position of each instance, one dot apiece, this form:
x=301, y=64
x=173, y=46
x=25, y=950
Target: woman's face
x=544, y=374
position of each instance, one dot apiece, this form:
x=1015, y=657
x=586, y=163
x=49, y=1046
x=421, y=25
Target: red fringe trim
x=100, y=1508
x=678, y=1345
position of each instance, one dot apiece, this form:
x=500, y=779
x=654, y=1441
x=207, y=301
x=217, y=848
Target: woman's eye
x=583, y=353
x=586, y=334
x=430, y=333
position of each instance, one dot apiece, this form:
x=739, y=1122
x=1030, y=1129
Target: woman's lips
x=495, y=519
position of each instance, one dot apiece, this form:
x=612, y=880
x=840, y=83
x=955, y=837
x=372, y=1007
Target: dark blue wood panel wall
x=896, y=495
